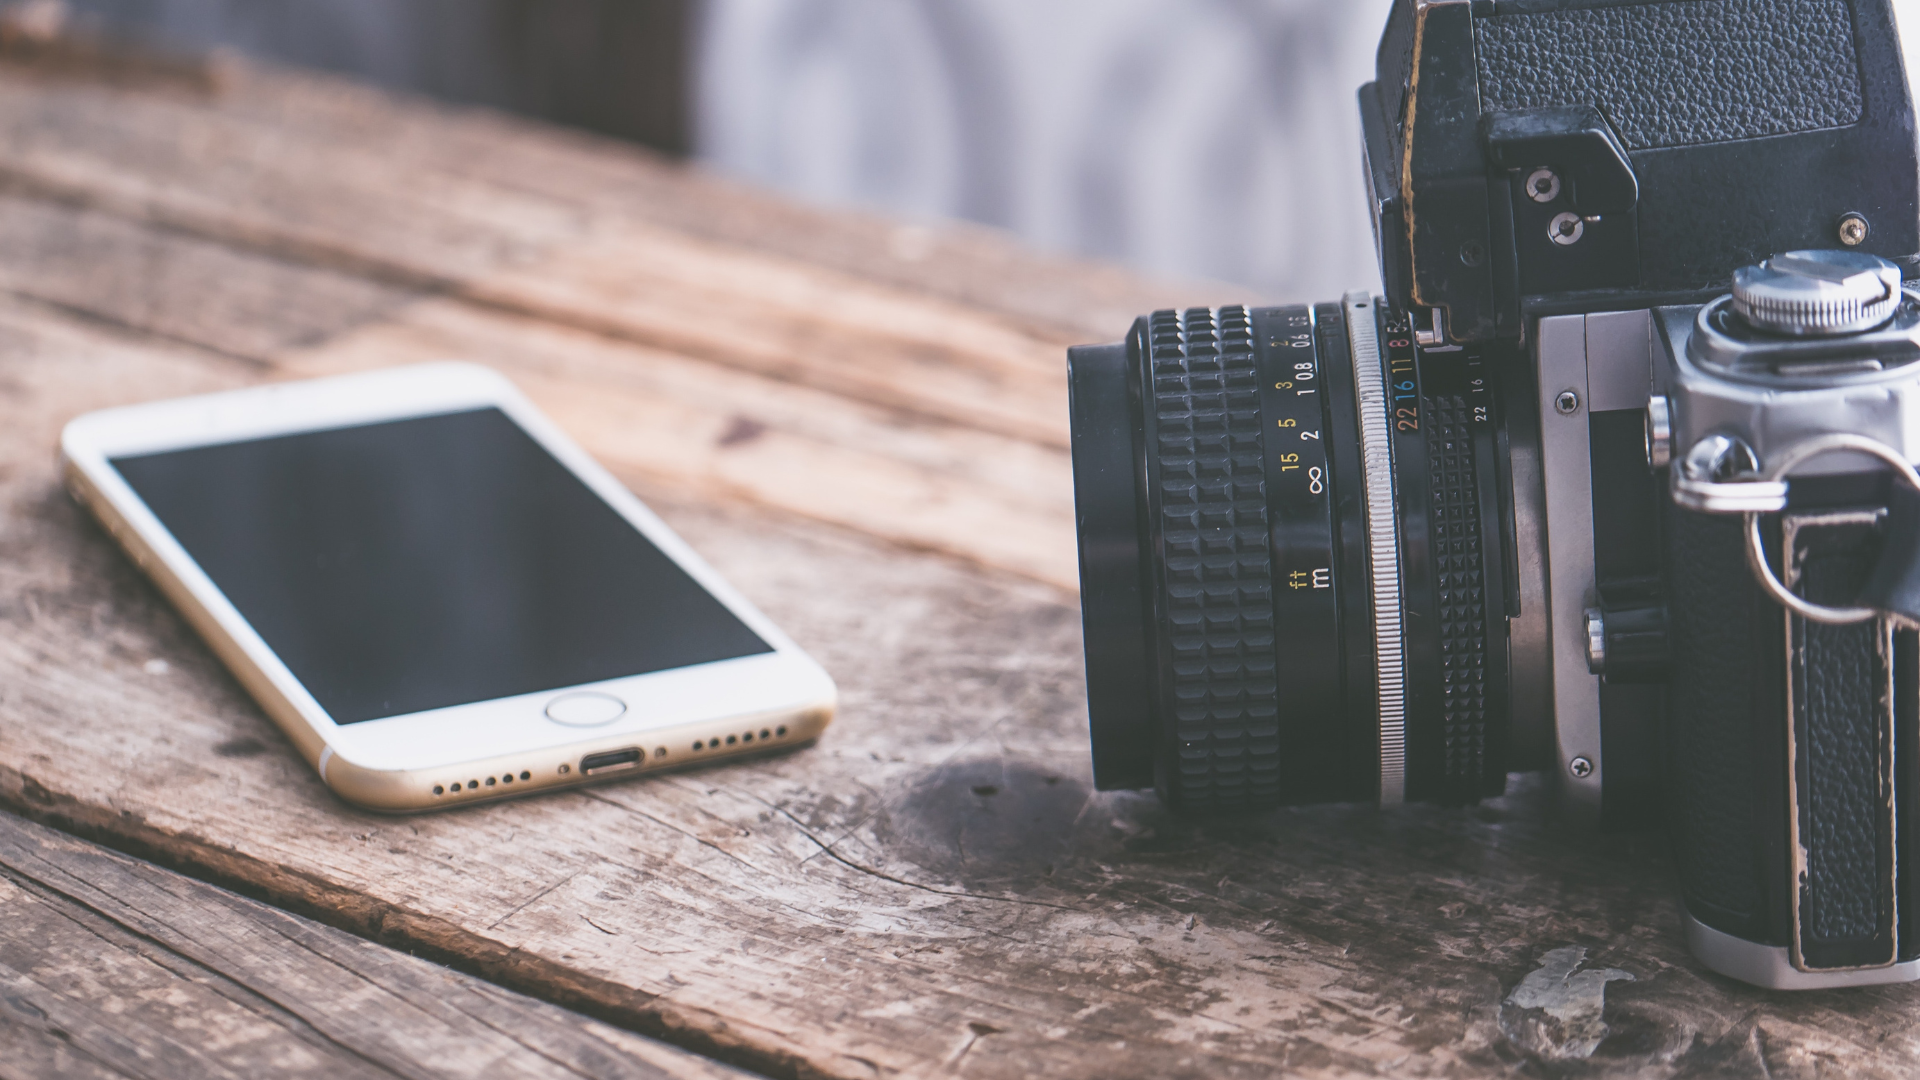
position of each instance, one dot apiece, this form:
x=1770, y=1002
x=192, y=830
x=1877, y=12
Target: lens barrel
x=1287, y=589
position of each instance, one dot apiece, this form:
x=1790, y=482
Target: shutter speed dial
x=1817, y=293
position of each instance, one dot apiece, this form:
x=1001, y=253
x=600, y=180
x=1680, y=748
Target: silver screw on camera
x=1580, y=767
x=1567, y=403
x=1721, y=475
x=1543, y=186
x=1567, y=229
x=1854, y=230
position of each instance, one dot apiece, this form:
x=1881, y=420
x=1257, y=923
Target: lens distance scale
x=1306, y=599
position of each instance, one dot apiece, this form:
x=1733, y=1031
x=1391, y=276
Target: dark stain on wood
x=245, y=746
x=741, y=430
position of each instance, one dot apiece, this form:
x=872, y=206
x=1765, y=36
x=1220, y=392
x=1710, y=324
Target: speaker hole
x=525, y=775
x=765, y=734
x=473, y=785
x=507, y=779
x=660, y=751
x=780, y=731
x=439, y=790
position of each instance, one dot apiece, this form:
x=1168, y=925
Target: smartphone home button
x=585, y=710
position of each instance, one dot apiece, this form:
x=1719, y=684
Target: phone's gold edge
x=310, y=743
x=553, y=768
x=403, y=791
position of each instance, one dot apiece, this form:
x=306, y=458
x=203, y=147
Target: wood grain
x=110, y=966
x=316, y=171
x=934, y=887
x=968, y=490
x=716, y=431
x=924, y=450
x=932, y=890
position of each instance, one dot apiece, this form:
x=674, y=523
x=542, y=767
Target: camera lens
x=1289, y=589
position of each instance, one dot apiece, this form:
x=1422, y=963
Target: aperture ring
x=1460, y=589
x=1208, y=493
x=1383, y=544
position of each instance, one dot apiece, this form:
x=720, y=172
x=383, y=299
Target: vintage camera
x=1613, y=482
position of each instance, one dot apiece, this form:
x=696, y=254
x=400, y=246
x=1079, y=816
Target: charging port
x=610, y=761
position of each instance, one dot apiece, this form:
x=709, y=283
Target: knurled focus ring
x=1208, y=489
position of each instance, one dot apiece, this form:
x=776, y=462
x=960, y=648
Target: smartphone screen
x=429, y=562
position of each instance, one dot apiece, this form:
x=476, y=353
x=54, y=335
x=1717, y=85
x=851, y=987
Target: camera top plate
x=1724, y=345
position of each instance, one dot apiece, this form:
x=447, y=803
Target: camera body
x=1522, y=512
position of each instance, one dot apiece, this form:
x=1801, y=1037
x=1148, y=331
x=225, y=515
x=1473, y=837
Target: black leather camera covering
x=1749, y=126
x=1679, y=74
x=1842, y=810
x=1895, y=583
x=1727, y=772
x=1772, y=719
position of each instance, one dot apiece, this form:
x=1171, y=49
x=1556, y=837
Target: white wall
x=1190, y=137
x=1907, y=12
x=1208, y=138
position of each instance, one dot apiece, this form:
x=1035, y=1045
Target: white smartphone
x=435, y=593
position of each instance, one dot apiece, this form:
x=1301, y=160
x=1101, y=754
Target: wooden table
x=863, y=426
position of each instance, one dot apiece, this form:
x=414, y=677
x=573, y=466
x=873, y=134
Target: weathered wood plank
x=800, y=323
x=970, y=491
x=933, y=887
x=918, y=419
x=331, y=205
x=568, y=228
x=111, y=966
x=173, y=287
x=706, y=429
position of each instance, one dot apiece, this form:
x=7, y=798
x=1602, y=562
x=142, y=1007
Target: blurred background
x=1187, y=138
